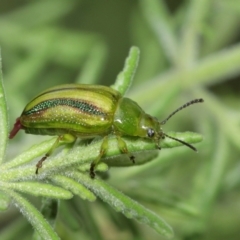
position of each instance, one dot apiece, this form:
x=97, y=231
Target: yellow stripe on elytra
x=103, y=98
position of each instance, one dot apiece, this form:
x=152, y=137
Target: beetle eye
x=150, y=132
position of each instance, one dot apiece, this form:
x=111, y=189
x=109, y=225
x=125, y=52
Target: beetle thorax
x=131, y=120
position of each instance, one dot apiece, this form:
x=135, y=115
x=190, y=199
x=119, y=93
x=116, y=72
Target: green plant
x=189, y=52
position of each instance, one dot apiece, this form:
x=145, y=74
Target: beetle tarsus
x=39, y=164
x=132, y=158
x=92, y=173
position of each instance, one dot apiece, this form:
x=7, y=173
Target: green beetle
x=87, y=111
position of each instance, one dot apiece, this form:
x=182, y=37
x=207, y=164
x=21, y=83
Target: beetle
x=85, y=111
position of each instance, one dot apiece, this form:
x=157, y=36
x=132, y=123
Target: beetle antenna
x=184, y=143
x=200, y=100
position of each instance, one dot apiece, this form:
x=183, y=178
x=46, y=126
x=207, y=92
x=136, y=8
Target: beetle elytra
x=74, y=111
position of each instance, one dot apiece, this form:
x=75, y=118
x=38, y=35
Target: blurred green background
x=189, y=49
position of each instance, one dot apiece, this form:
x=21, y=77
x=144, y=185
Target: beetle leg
x=158, y=145
x=123, y=148
x=63, y=139
x=102, y=152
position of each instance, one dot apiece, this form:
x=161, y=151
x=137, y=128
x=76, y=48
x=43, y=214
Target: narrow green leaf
x=159, y=20
x=53, y=10
x=39, y=189
x=74, y=187
x=212, y=174
x=28, y=155
x=191, y=31
x=124, y=204
x=94, y=64
x=3, y=117
x=33, y=216
x=4, y=201
x=49, y=210
x=125, y=77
